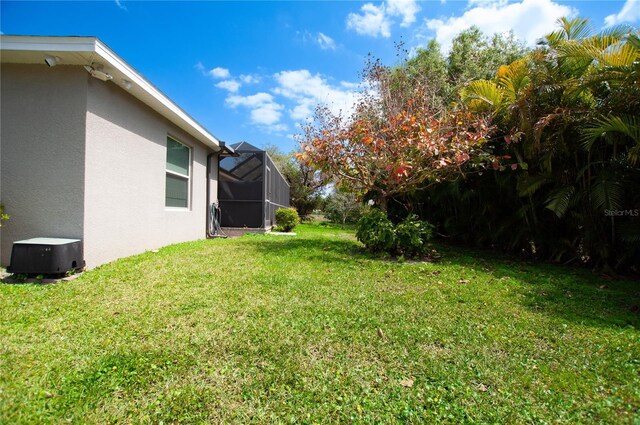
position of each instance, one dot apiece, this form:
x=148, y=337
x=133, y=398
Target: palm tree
x=569, y=114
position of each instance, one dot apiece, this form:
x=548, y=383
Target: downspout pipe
x=208, y=205
x=223, y=151
x=208, y=176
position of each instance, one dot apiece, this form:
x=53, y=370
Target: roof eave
x=188, y=124
x=140, y=87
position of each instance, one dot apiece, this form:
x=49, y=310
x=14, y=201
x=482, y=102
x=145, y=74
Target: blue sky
x=255, y=70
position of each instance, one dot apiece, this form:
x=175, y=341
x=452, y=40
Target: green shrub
x=376, y=231
x=3, y=216
x=408, y=239
x=412, y=236
x=287, y=219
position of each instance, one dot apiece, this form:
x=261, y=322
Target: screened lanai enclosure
x=250, y=188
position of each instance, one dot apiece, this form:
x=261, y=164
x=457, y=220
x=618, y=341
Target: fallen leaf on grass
x=380, y=333
x=464, y=281
x=407, y=382
x=482, y=388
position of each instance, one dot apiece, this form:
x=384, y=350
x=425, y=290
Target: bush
x=376, y=231
x=412, y=236
x=409, y=238
x=287, y=219
x=3, y=216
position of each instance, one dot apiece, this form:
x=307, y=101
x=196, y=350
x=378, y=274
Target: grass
x=309, y=329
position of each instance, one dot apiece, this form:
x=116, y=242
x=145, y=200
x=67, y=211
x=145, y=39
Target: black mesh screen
x=251, y=189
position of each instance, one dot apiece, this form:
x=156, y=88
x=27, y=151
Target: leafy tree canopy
x=395, y=140
x=305, y=183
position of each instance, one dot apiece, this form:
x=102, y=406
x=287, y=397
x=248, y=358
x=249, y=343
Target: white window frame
x=173, y=173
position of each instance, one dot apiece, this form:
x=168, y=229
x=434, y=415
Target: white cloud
x=249, y=79
x=376, y=21
x=350, y=86
x=372, y=22
x=407, y=9
x=630, y=12
x=249, y=101
x=474, y=3
x=120, y=5
x=276, y=128
x=320, y=39
x=228, y=82
x=230, y=85
x=303, y=109
x=529, y=19
x=308, y=90
x=219, y=72
x=268, y=114
x=265, y=111
x=294, y=93
x=325, y=42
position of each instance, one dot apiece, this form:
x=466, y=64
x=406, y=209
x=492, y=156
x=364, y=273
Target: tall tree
x=305, y=183
x=472, y=56
x=395, y=141
x=430, y=66
x=343, y=207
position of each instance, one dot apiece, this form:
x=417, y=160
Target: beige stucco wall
x=82, y=158
x=124, y=182
x=42, y=132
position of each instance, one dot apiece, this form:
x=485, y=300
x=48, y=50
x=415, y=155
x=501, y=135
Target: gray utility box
x=46, y=256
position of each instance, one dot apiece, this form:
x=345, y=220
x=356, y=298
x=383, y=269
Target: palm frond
x=617, y=31
x=633, y=155
x=618, y=56
x=514, y=78
x=560, y=200
x=576, y=28
x=633, y=39
x=483, y=95
x=527, y=185
x=607, y=194
x=602, y=51
x=569, y=29
x=625, y=125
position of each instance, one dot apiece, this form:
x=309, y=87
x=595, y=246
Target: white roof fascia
x=40, y=44
x=101, y=53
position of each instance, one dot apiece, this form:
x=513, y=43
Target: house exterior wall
x=124, y=184
x=42, y=151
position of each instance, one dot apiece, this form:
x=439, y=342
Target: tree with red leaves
x=394, y=142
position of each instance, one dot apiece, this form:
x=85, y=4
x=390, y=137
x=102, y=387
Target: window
x=177, y=181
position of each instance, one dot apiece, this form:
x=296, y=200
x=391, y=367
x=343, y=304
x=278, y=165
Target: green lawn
x=309, y=329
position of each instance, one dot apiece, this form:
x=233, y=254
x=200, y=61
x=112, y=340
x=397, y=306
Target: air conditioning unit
x=46, y=256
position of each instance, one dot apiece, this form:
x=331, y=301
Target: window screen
x=177, y=176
